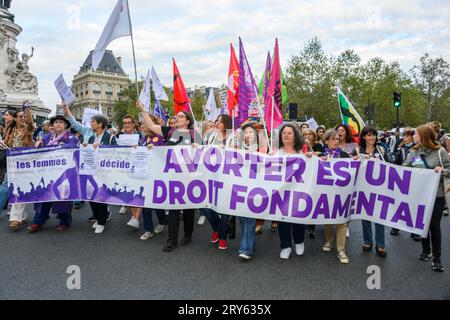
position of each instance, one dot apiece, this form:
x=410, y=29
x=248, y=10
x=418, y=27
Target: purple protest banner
x=292, y=189
x=47, y=174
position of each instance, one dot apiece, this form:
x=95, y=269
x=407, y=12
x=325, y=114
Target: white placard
x=88, y=114
x=140, y=158
x=128, y=140
x=64, y=90
x=312, y=123
x=88, y=160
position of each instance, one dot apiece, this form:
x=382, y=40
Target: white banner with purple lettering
x=279, y=188
x=46, y=174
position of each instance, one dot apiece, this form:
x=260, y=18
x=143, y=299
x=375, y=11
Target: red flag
x=233, y=82
x=274, y=103
x=180, y=97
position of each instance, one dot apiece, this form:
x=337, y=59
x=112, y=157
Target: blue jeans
x=248, y=242
x=218, y=223
x=287, y=231
x=4, y=193
x=65, y=219
x=149, y=226
x=368, y=235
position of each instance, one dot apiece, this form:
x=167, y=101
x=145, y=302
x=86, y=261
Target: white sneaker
x=133, y=223
x=300, y=249
x=146, y=236
x=95, y=225
x=201, y=220
x=123, y=210
x=99, y=229
x=348, y=233
x=285, y=253
x=159, y=229
x=244, y=257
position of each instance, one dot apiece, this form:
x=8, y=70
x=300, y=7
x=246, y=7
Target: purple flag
x=159, y=111
x=247, y=86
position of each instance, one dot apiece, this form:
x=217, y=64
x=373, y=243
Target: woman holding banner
x=183, y=134
x=60, y=136
x=101, y=137
x=369, y=149
x=291, y=142
x=151, y=140
x=429, y=154
x=314, y=146
x=332, y=151
x=219, y=222
x=249, y=142
x=21, y=135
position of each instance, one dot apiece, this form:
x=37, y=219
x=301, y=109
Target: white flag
x=145, y=93
x=158, y=88
x=119, y=25
x=211, y=110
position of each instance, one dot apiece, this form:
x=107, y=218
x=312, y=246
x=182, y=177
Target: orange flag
x=180, y=97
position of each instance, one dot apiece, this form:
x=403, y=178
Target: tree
x=432, y=76
x=309, y=83
x=126, y=106
x=313, y=76
x=198, y=102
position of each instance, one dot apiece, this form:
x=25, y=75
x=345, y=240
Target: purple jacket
x=68, y=139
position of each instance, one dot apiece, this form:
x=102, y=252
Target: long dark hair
x=190, y=119
x=227, y=121
x=364, y=133
x=348, y=138
x=299, y=141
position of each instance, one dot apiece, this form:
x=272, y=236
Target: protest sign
x=293, y=189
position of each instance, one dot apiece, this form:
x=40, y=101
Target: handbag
x=446, y=182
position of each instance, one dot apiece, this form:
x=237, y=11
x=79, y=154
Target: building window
x=109, y=112
x=109, y=92
x=109, y=89
x=120, y=91
x=96, y=88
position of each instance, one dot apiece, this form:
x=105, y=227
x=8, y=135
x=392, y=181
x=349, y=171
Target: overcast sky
x=198, y=33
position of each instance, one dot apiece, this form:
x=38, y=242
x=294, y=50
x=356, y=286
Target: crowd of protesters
x=424, y=147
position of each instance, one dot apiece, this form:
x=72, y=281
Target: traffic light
x=397, y=99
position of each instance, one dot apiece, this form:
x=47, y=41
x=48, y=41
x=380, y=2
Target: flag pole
x=193, y=116
x=263, y=120
x=273, y=111
x=134, y=52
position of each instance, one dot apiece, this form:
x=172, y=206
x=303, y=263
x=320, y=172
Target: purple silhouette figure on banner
x=71, y=175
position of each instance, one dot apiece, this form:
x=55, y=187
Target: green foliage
x=312, y=77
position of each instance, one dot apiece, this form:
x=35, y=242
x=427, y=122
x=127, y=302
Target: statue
x=3, y=35
x=5, y=4
x=20, y=77
x=4, y=13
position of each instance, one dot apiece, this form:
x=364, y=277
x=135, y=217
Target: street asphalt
x=118, y=265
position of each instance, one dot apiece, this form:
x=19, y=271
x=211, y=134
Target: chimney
x=119, y=59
